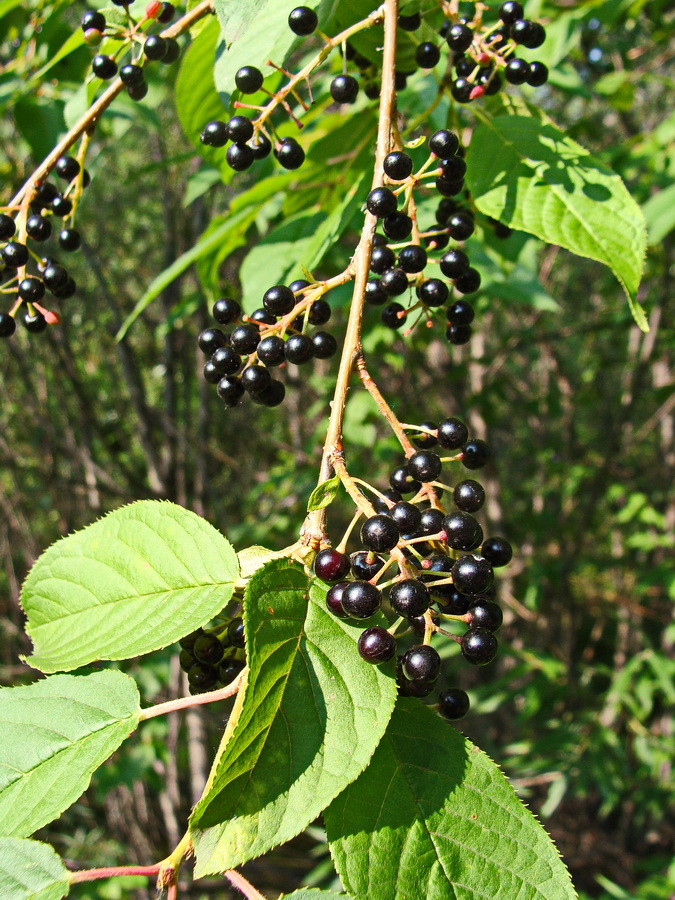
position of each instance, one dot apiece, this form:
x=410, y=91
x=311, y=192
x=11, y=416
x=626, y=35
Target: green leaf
x=197, y=101
x=53, y=735
x=310, y=716
x=314, y=894
x=323, y=494
x=134, y=581
x=659, y=213
x=433, y=816
x=30, y=870
x=529, y=175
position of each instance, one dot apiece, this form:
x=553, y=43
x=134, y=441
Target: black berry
x=271, y=350
x=14, y=255
x=472, y=575
x=215, y=134
x=299, y=349
x=302, y=20
x=452, y=434
x=331, y=565
x=207, y=649
x=104, y=67
x=131, y=75
x=39, y=228
x=469, y=282
x=365, y=565
x=379, y=533
x=431, y=521
x=444, y=143
x=412, y=259
x=469, y=496
x=67, y=167
x=393, y=315
x=361, y=599
x=497, y=551
x=397, y=165
x=479, y=646
x=324, y=344
x=7, y=325
x=397, y=226
x=279, y=300
x=475, y=454
x=427, y=55
x=235, y=633
x=424, y=465
x=226, y=310
x=462, y=531
x=421, y=663
x=230, y=390
x=249, y=79
x=334, y=599
x=381, y=202
x=154, y=48
x=376, y=645
x=290, y=154
x=245, y=338
x=406, y=515
x=485, y=614
x=453, y=704
x=402, y=481
x=344, y=89
x=454, y=263
x=240, y=129
x=409, y=598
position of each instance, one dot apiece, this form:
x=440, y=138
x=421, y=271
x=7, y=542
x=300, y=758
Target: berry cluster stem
x=186, y=702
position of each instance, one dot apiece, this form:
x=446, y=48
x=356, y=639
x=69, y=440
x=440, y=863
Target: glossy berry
x=394, y=282
x=422, y=439
x=469, y=496
x=225, y=361
x=207, y=649
x=92, y=19
x=172, y=51
x=381, y=202
x=538, y=74
x=260, y=146
x=235, y=633
x=397, y=226
x=245, y=338
x=69, y=239
x=136, y=92
x=459, y=37
x=374, y=295
x=279, y=300
x=402, y=481
x=409, y=598
x=239, y=157
x=391, y=315
x=210, y=339
x=202, y=677
x=324, y=344
x=331, y=565
x=462, y=89
x=249, y=79
x=460, y=226
x=166, y=13
x=7, y=227
x=497, y=551
x=381, y=259
x=412, y=259
x=344, y=89
x=475, y=454
x=131, y=75
x=510, y=11
x=361, y=599
x=462, y=531
x=55, y=277
x=154, y=48
x=479, y=646
x=421, y=663
x=376, y=645
x=454, y=263
x=34, y=323
x=104, y=67
x=14, y=255
x=444, y=143
x=62, y=206
x=461, y=313
x=453, y=704
x=272, y=395
x=536, y=36
x=458, y=334
x=433, y=292
x=410, y=23
x=215, y=134
x=379, y=533
x=271, y=350
x=431, y=521
x=365, y=564
x=319, y=312
x=407, y=516
x=39, y=228
x=230, y=390
x=303, y=20
x=255, y=379
x=413, y=688
x=427, y=55
x=469, y=282
x=228, y=670
x=67, y=167
x=453, y=168
x=239, y=129
x=334, y=599
x=7, y=325
x=472, y=575
x=226, y=310
x=452, y=434
x=424, y=465
x=485, y=614
x=289, y=154
x=517, y=71
x=31, y=289
x=299, y=349
x=397, y=165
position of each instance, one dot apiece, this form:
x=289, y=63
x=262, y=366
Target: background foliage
x=577, y=402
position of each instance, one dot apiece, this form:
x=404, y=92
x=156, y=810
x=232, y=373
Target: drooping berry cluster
x=444, y=566
x=273, y=335
x=212, y=658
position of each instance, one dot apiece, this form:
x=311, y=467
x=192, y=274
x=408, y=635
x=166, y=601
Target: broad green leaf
x=253, y=558
x=30, y=870
x=659, y=212
x=311, y=714
x=134, y=581
x=53, y=735
x=314, y=894
x=323, y=494
x=528, y=174
x=197, y=101
x=433, y=816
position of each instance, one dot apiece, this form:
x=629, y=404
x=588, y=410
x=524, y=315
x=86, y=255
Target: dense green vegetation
x=575, y=399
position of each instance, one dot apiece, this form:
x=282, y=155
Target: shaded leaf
x=323, y=494
x=134, y=581
x=308, y=720
x=433, y=816
x=30, y=870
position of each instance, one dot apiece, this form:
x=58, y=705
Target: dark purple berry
x=397, y=226
x=479, y=646
x=463, y=531
x=376, y=645
x=279, y=300
x=240, y=129
x=344, y=89
x=331, y=565
x=461, y=313
x=361, y=599
x=469, y=496
x=397, y=165
x=235, y=633
x=239, y=156
x=485, y=614
x=424, y=466
x=402, y=481
x=7, y=325
x=412, y=259
x=381, y=202
x=67, y=167
x=230, y=390
x=472, y=575
x=444, y=143
x=421, y=663
x=431, y=521
x=271, y=350
x=469, y=282
x=334, y=599
x=379, y=533
x=475, y=454
x=302, y=20
x=209, y=340
x=207, y=649
x=406, y=515
x=104, y=67
x=248, y=79
x=453, y=704
x=409, y=598
x=394, y=282
x=324, y=344
x=497, y=551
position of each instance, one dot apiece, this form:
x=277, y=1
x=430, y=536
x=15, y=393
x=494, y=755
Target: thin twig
x=187, y=702
x=237, y=880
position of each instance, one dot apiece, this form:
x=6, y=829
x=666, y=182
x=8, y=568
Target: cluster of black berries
x=16, y=255
x=155, y=48
x=273, y=335
x=447, y=571
x=478, y=59
x=398, y=272
x=213, y=658
x=248, y=139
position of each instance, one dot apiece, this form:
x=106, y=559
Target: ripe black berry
x=324, y=344
x=249, y=79
x=472, y=575
x=302, y=20
x=255, y=379
x=444, y=143
x=424, y=465
x=279, y=300
x=379, y=533
x=155, y=48
x=475, y=454
x=461, y=313
x=334, y=599
x=131, y=75
x=239, y=129
x=214, y=134
x=427, y=55
x=136, y=92
x=413, y=688
x=410, y=23
x=433, y=292
x=421, y=663
x=453, y=704
x=299, y=349
x=93, y=19
x=245, y=338
x=14, y=255
x=454, y=263
x=463, y=531
x=271, y=350
x=67, y=167
x=31, y=289
x=452, y=434
x=381, y=259
x=453, y=168
x=361, y=599
x=230, y=390
x=397, y=165
x=272, y=395
x=381, y=202
x=331, y=565
x=166, y=13
x=289, y=153
x=319, y=312
x=394, y=282
x=239, y=157
x=459, y=38
x=207, y=649
x=517, y=71
x=469, y=496
x=209, y=340
x=7, y=325
x=344, y=89
x=458, y=334
x=39, y=228
x=172, y=51
x=497, y=551
x=55, y=277
x=485, y=614
x=202, y=677
x=225, y=361
x=226, y=310
x=104, y=67
x=406, y=515
x=538, y=74
x=402, y=481
x=431, y=521
x=460, y=226
x=235, y=633
x=7, y=227
x=397, y=226
x=479, y=646
x=412, y=259
x=469, y=282
x=69, y=239
x=423, y=440
x=374, y=295
x=34, y=323
x=61, y=206
x=409, y=598
x=391, y=315
x=260, y=146
x=510, y=11
x=376, y=645
x=228, y=670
